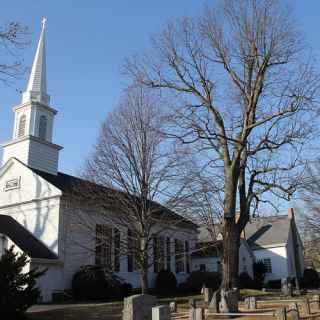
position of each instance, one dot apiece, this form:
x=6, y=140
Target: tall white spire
x=37, y=85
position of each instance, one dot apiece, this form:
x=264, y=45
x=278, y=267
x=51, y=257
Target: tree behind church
x=139, y=167
x=245, y=89
x=12, y=39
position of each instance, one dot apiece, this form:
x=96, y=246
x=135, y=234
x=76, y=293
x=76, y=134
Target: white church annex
x=34, y=197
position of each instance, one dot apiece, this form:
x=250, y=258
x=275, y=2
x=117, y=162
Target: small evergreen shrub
x=197, y=279
x=246, y=282
x=95, y=283
x=274, y=284
x=18, y=290
x=310, y=279
x=126, y=290
x=166, y=283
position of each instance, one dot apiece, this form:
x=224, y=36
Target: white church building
x=34, y=197
x=35, y=212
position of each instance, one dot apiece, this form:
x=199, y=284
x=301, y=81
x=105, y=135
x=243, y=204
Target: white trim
x=29, y=201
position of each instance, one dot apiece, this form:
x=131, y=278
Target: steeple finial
x=37, y=85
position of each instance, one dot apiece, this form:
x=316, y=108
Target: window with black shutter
x=116, y=250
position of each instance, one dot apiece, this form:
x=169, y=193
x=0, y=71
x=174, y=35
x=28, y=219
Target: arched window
x=43, y=128
x=22, y=126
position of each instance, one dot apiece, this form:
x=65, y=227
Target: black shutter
x=168, y=254
x=116, y=250
x=129, y=246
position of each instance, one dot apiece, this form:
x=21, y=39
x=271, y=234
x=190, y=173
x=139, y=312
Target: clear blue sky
x=87, y=42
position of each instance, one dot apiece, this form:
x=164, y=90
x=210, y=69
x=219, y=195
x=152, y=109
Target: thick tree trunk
x=230, y=260
x=144, y=281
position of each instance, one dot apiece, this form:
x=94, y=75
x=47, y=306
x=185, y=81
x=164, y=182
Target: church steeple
x=37, y=84
x=33, y=125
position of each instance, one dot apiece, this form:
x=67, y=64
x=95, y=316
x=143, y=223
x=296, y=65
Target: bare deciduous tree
x=139, y=169
x=245, y=89
x=310, y=219
x=12, y=39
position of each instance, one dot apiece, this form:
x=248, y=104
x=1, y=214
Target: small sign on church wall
x=12, y=184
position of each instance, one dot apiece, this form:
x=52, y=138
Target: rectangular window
x=116, y=250
x=133, y=250
x=168, y=245
x=202, y=268
x=158, y=254
x=179, y=255
x=104, y=245
x=267, y=265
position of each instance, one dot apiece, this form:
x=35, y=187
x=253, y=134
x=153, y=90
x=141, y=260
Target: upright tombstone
x=281, y=314
x=286, y=287
x=294, y=311
x=214, y=303
x=138, y=307
x=173, y=307
x=196, y=314
x=252, y=303
x=306, y=306
x=316, y=301
x=207, y=296
x=161, y=313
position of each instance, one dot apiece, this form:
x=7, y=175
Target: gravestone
x=250, y=303
x=173, y=307
x=286, y=287
x=281, y=314
x=138, y=307
x=306, y=306
x=214, y=303
x=294, y=311
x=229, y=301
x=207, y=295
x=196, y=314
x=192, y=303
x=161, y=313
x=316, y=301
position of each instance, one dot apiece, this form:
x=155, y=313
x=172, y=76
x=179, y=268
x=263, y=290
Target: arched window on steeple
x=22, y=126
x=43, y=128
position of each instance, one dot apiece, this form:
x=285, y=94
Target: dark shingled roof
x=68, y=183
x=24, y=239
x=267, y=231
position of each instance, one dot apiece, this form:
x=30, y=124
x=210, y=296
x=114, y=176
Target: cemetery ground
x=266, y=303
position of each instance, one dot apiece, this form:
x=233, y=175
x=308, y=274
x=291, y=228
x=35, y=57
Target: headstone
x=214, y=303
x=281, y=314
x=252, y=303
x=161, y=313
x=286, y=287
x=199, y=314
x=207, y=295
x=316, y=301
x=306, y=306
x=192, y=303
x=229, y=301
x=173, y=307
x=294, y=311
x=223, y=306
x=247, y=302
x=138, y=307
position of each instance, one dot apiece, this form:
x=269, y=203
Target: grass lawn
x=113, y=310
x=88, y=312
